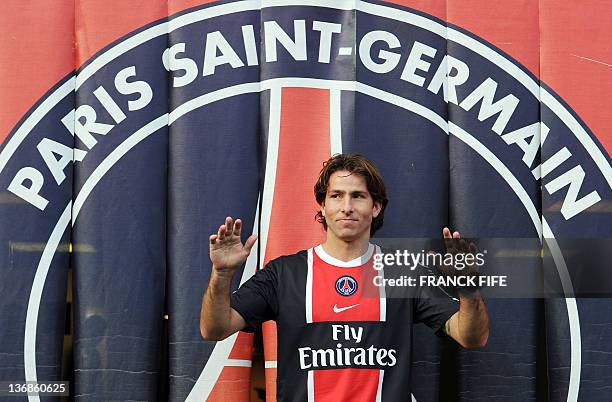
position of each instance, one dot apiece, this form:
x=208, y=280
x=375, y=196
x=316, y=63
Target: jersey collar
x=345, y=264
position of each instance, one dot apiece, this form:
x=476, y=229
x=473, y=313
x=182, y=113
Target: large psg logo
x=399, y=86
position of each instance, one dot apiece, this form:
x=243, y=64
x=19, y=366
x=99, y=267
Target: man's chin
x=348, y=235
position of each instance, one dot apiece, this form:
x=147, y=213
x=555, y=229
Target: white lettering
x=134, y=87
x=49, y=148
x=82, y=122
x=335, y=331
x=109, y=104
x=450, y=74
x=571, y=205
x=250, y=47
x=274, y=33
x=538, y=132
x=320, y=357
x=486, y=93
x=356, y=333
x=173, y=63
x=551, y=163
x=390, y=59
x=392, y=357
x=303, y=355
x=327, y=29
x=216, y=41
x=415, y=62
x=29, y=194
x=378, y=265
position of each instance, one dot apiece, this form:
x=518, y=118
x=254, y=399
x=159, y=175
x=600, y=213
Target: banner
x=128, y=137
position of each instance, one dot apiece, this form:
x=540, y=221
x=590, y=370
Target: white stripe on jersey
x=310, y=386
x=309, y=289
x=381, y=375
x=383, y=296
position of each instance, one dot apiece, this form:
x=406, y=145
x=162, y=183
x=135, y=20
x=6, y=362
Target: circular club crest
x=346, y=285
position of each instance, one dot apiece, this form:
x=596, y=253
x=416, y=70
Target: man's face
x=348, y=207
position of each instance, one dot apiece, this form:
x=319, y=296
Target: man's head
x=352, y=196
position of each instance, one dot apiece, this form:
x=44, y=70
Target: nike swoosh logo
x=341, y=309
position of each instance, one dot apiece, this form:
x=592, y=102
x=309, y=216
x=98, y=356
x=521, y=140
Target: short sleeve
x=256, y=300
x=434, y=307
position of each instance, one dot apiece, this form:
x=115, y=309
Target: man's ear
x=377, y=208
x=322, y=209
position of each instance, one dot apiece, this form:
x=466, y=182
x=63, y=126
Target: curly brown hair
x=357, y=164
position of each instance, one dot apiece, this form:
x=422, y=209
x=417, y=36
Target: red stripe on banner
x=437, y=8
x=510, y=25
x=48, y=37
x=37, y=51
x=243, y=347
x=303, y=146
x=175, y=6
x=233, y=385
x=577, y=60
x=99, y=23
x=339, y=385
x=565, y=44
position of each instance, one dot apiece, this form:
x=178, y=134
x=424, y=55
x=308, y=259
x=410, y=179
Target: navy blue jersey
x=339, y=336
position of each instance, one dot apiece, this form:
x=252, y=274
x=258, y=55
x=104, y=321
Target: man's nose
x=347, y=205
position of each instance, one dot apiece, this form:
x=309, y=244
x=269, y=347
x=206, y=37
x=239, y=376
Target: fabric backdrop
x=129, y=130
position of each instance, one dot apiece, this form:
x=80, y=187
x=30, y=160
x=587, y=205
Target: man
x=339, y=337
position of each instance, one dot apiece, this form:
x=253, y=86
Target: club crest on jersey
x=346, y=285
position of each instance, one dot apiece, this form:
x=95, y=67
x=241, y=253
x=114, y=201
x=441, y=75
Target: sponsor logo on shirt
x=341, y=309
x=354, y=356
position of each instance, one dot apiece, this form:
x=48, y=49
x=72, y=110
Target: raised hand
x=456, y=245
x=464, y=261
x=226, y=250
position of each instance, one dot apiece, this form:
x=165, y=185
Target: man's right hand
x=217, y=319
x=226, y=250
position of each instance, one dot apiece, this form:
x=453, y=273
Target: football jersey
x=339, y=337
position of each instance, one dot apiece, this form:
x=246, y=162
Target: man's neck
x=345, y=251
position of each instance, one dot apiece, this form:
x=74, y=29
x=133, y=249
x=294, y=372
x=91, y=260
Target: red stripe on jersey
x=329, y=305
x=355, y=385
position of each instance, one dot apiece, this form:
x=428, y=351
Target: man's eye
x=334, y=196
